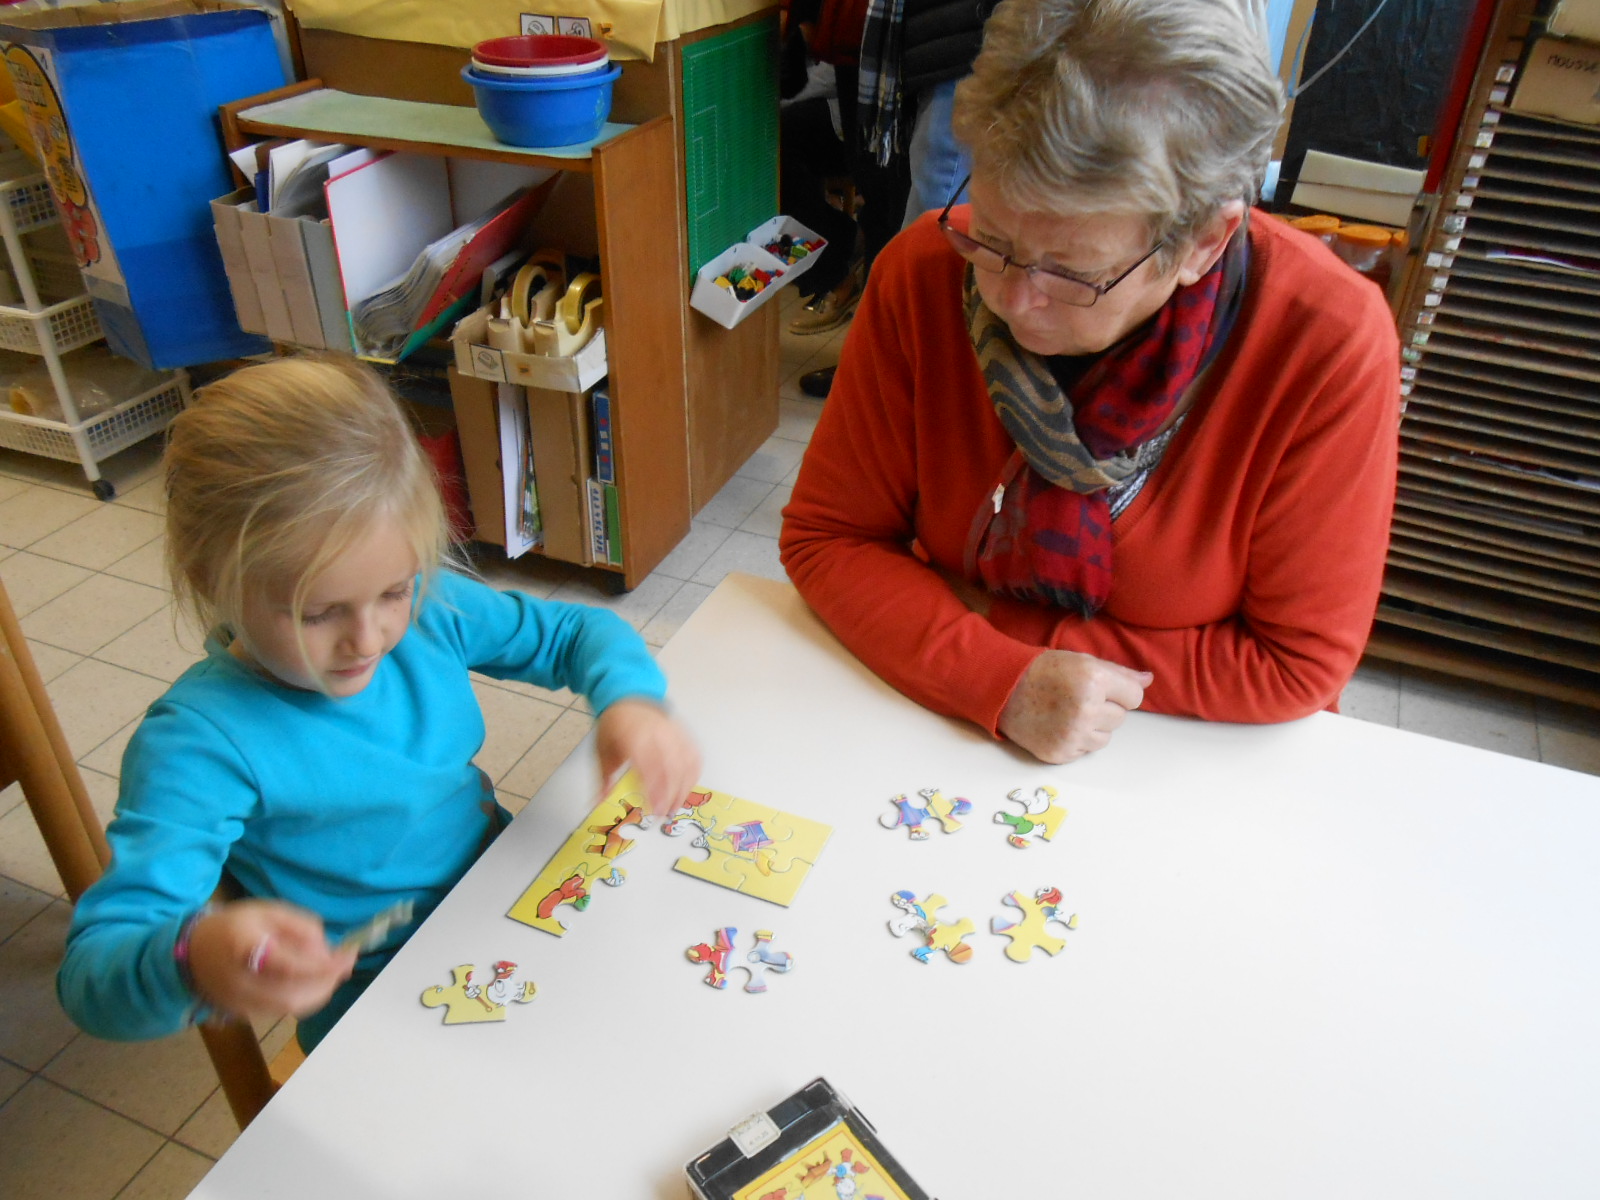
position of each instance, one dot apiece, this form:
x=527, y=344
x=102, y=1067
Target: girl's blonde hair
x=276, y=469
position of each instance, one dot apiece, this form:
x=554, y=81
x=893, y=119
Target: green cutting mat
x=730, y=105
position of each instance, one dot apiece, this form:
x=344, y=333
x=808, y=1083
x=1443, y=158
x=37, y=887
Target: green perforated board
x=730, y=106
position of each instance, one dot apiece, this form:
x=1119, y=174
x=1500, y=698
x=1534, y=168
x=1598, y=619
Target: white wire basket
x=106, y=432
x=66, y=326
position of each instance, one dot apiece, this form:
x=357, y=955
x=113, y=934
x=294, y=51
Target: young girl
x=319, y=759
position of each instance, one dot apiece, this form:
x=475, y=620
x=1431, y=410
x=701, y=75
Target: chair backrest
x=33, y=751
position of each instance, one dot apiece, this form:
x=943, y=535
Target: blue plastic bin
x=123, y=99
x=545, y=110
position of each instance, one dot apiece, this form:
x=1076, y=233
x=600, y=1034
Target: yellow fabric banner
x=630, y=27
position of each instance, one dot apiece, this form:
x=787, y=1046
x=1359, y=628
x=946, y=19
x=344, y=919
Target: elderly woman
x=1107, y=438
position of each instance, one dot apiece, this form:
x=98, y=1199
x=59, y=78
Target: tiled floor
x=93, y=1120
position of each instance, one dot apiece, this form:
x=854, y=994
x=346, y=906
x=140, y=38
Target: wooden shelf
x=1494, y=568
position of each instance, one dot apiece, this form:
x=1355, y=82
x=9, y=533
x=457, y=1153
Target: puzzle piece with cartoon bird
x=1028, y=929
x=751, y=848
x=469, y=1000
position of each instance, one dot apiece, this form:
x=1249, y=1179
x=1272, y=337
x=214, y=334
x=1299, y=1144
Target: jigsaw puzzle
x=717, y=954
x=470, y=1000
x=588, y=855
x=1040, y=819
x=1028, y=929
x=922, y=916
x=833, y=1166
x=915, y=817
x=752, y=849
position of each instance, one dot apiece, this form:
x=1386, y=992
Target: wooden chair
x=33, y=751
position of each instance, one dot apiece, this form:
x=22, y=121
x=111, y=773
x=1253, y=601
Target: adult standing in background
x=939, y=42
x=1107, y=438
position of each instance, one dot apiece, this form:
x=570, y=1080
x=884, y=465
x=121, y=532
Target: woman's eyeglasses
x=1052, y=281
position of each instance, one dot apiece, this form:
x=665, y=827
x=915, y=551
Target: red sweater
x=1244, y=575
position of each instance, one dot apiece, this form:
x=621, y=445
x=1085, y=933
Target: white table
x=1324, y=959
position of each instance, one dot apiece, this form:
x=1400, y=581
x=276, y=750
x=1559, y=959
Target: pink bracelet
x=200, y=1010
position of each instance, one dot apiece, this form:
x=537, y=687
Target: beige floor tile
x=798, y=417
x=738, y=498
x=767, y=520
x=99, y=538
x=33, y=468
x=1474, y=714
x=532, y=573
x=75, y=1148
x=1569, y=736
x=146, y=565
x=675, y=612
x=635, y=607
x=514, y=723
x=1373, y=695
x=742, y=552
x=32, y=580
x=543, y=757
x=212, y=1129
x=159, y=1083
x=36, y=511
x=130, y=469
x=52, y=660
x=33, y=1029
x=796, y=348
x=10, y=797
x=172, y=1174
x=149, y=496
x=88, y=616
x=11, y=1080
x=689, y=555
x=19, y=904
x=156, y=646
x=11, y=486
x=107, y=756
x=23, y=856
x=561, y=697
x=773, y=461
x=94, y=700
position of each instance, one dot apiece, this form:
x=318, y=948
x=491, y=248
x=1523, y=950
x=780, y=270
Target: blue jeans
x=938, y=161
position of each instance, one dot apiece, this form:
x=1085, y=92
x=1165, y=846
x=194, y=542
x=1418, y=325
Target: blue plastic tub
x=557, y=110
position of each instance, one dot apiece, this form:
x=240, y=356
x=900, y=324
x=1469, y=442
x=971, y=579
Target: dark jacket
x=941, y=38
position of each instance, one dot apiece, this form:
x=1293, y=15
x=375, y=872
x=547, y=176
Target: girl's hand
x=264, y=958
x=1068, y=704
x=660, y=749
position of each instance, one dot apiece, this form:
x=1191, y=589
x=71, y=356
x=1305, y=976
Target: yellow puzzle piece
x=753, y=849
x=1029, y=930
x=469, y=999
x=1041, y=818
x=589, y=853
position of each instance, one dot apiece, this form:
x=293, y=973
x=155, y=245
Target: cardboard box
x=1562, y=80
x=478, y=429
x=122, y=100
x=283, y=273
x=562, y=456
x=1575, y=19
x=719, y=303
x=476, y=357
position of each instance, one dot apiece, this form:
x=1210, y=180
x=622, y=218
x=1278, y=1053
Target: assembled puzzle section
x=751, y=848
x=815, y=1145
x=588, y=856
x=718, y=956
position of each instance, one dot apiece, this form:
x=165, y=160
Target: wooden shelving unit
x=635, y=214
x=1494, y=568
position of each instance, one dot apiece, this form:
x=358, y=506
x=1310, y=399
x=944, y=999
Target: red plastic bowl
x=539, y=50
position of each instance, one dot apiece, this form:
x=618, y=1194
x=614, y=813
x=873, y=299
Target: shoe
x=831, y=310
x=817, y=383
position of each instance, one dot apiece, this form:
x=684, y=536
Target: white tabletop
x=1323, y=959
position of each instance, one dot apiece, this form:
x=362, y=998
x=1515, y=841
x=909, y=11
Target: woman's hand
x=640, y=732
x=264, y=958
x=1068, y=704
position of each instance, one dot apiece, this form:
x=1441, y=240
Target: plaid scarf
x=878, y=98
x=1044, y=532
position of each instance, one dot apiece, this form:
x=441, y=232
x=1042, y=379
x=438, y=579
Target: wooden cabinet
x=1494, y=570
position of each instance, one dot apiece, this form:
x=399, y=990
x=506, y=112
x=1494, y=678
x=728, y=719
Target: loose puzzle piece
x=590, y=853
x=752, y=849
x=915, y=817
x=1028, y=930
x=469, y=1000
x=1041, y=817
x=718, y=952
x=922, y=916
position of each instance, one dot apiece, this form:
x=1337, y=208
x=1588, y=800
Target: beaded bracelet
x=200, y=1010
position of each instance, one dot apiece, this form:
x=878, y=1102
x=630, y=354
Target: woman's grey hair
x=1165, y=109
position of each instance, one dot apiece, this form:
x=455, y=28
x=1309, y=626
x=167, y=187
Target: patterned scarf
x=1044, y=532
x=878, y=98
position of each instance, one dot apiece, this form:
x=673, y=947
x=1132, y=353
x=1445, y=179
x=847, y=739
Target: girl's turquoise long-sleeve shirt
x=342, y=806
